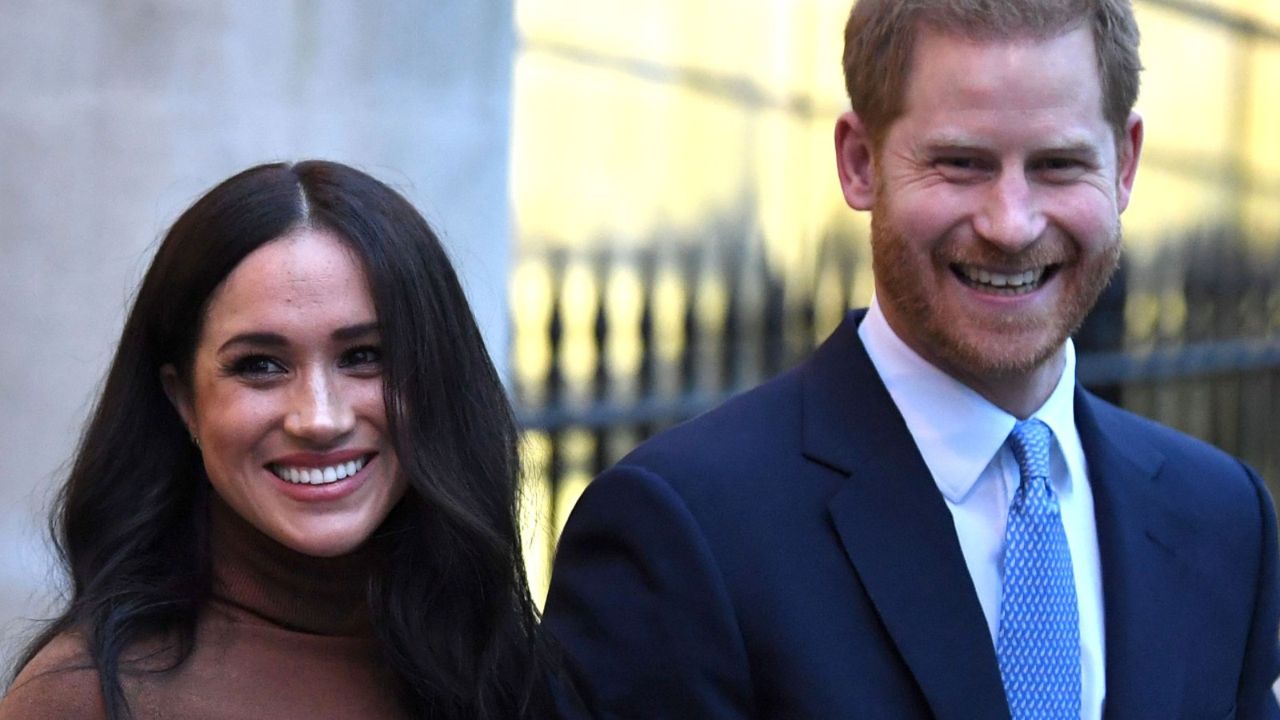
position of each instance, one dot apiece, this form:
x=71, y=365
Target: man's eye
x=1060, y=168
x=1058, y=164
x=255, y=366
x=961, y=168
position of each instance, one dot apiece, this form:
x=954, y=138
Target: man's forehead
x=928, y=34
x=1026, y=95
x=959, y=72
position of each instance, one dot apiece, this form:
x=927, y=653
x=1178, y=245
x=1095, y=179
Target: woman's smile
x=311, y=469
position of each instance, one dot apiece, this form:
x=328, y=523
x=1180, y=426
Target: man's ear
x=1127, y=159
x=855, y=161
x=179, y=394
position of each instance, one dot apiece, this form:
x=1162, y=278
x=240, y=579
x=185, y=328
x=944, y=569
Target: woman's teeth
x=1006, y=283
x=317, y=475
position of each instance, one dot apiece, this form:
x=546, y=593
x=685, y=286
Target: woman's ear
x=180, y=395
x=855, y=161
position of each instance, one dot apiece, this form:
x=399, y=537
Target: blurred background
x=680, y=233
x=640, y=195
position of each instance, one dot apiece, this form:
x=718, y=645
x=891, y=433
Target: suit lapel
x=897, y=531
x=1137, y=542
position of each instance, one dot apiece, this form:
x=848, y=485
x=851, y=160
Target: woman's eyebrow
x=359, y=330
x=276, y=340
x=257, y=339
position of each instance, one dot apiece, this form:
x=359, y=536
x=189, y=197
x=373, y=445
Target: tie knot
x=1030, y=442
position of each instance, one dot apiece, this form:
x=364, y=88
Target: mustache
x=1042, y=253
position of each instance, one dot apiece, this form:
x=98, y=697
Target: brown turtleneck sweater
x=284, y=636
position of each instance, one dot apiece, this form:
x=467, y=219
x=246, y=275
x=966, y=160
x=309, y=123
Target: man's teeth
x=1016, y=282
x=318, y=475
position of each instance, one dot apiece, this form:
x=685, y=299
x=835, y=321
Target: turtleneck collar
x=254, y=573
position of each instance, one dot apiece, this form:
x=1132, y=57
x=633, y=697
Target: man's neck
x=1018, y=393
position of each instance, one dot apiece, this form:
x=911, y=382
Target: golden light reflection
x=710, y=310
x=828, y=302
x=669, y=307
x=711, y=305
x=1262, y=207
x=624, y=303
x=1264, y=116
x=1142, y=315
x=1212, y=149
x=578, y=448
x=1263, y=12
x=578, y=310
x=532, y=302
x=647, y=113
x=1165, y=195
x=1173, y=314
x=783, y=187
x=536, y=531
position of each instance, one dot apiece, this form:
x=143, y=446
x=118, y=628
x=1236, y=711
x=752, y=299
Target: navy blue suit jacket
x=788, y=555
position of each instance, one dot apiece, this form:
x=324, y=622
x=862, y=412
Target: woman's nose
x=319, y=412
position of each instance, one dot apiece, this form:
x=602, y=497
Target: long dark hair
x=454, y=619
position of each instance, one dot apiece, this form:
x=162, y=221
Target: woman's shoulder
x=60, y=681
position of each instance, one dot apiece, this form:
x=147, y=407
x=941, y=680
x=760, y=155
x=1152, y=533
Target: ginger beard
x=916, y=285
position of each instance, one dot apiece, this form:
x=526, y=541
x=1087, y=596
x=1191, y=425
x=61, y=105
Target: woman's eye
x=256, y=367
x=365, y=357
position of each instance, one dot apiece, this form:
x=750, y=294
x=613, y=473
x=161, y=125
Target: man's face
x=995, y=201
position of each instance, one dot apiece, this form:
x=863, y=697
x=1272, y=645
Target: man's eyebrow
x=275, y=340
x=952, y=141
x=1069, y=147
x=961, y=144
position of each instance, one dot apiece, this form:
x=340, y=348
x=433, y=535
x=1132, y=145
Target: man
x=929, y=518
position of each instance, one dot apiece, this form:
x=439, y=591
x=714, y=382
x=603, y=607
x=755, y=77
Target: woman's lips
x=317, y=475
x=319, y=469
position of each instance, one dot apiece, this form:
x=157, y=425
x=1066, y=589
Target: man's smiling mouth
x=1001, y=283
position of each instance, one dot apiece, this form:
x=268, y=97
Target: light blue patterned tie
x=1038, y=645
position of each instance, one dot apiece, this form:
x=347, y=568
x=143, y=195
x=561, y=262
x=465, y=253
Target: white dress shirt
x=961, y=437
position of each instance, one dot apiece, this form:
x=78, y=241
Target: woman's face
x=285, y=396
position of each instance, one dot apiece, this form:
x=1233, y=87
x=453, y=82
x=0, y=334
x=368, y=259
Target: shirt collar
x=957, y=430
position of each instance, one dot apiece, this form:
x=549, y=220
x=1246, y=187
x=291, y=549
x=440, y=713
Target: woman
x=297, y=494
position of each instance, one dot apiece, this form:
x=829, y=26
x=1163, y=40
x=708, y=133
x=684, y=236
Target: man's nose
x=319, y=411
x=1010, y=216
